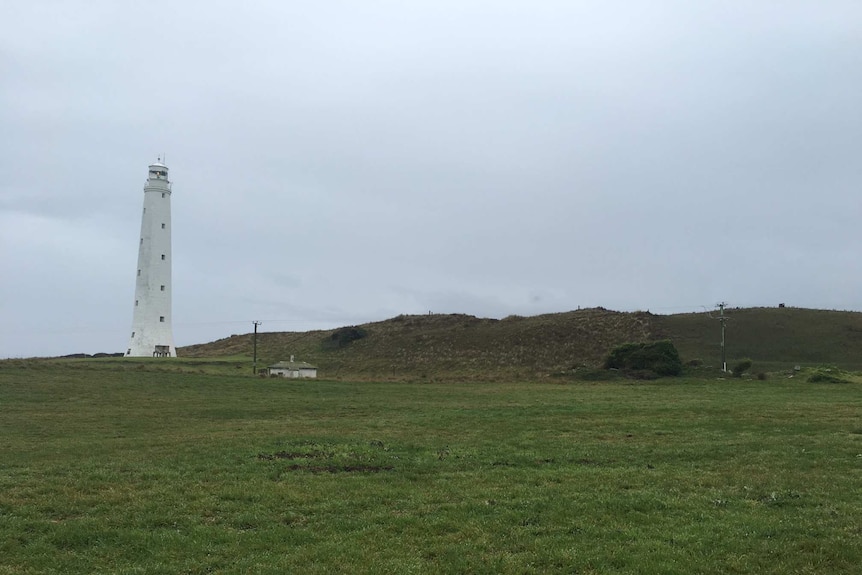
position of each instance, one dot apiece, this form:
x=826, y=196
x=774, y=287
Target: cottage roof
x=292, y=365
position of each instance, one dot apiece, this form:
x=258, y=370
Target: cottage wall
x=294, y=373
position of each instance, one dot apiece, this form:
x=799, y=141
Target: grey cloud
x=340, y=162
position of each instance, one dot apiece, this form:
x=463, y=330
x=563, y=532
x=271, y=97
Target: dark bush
x=645, y=374
x=822, y=377
x=646, y=358
x=761, y=376
x=591, y=374
x=343, y=337
x=741, y=367
x=694, y=362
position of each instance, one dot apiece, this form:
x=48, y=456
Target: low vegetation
x=774, y=338
x=343, y=337
x=457, y=347
x=196, y=466
x=645, y=360
x=741, y=367
x=829, y=374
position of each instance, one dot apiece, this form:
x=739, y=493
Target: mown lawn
x=138, y=471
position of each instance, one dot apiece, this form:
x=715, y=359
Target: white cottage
x=293, y=369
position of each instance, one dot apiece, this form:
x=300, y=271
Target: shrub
x=694, y=362
x=584, y=373
x=343, y=337
x=823, y=377
x=761, y=376
x=645, y=374
x=741, y=367
x=646, y=358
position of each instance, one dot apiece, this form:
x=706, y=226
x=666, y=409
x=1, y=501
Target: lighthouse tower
x=152, y=335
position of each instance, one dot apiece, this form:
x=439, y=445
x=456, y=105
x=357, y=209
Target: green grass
x=114, y=470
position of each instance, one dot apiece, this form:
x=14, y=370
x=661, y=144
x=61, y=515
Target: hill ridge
x=435, y=346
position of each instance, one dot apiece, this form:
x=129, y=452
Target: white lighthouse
x=152, y=335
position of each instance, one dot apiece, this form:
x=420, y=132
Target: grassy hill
x=435, y=347
x=770, y=336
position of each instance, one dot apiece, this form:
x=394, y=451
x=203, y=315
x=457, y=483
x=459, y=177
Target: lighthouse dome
x=158, y=171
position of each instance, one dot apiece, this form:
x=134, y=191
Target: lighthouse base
x=144, y=344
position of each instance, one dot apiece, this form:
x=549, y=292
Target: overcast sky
x=335, y=163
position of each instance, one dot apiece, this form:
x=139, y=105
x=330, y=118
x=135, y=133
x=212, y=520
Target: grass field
x=141, y=471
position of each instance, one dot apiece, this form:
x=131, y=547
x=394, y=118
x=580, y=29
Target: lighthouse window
x=129, y=351
x=163, y=194
x=136, y=305
x=162, y=318
x=142, y=241
x=163, y=256
x=163, y=288
x=133, y=334
x=163, y=226
x=139, y=272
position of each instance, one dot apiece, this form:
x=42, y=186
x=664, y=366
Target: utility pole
x=723, y=321
x=254, y=365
